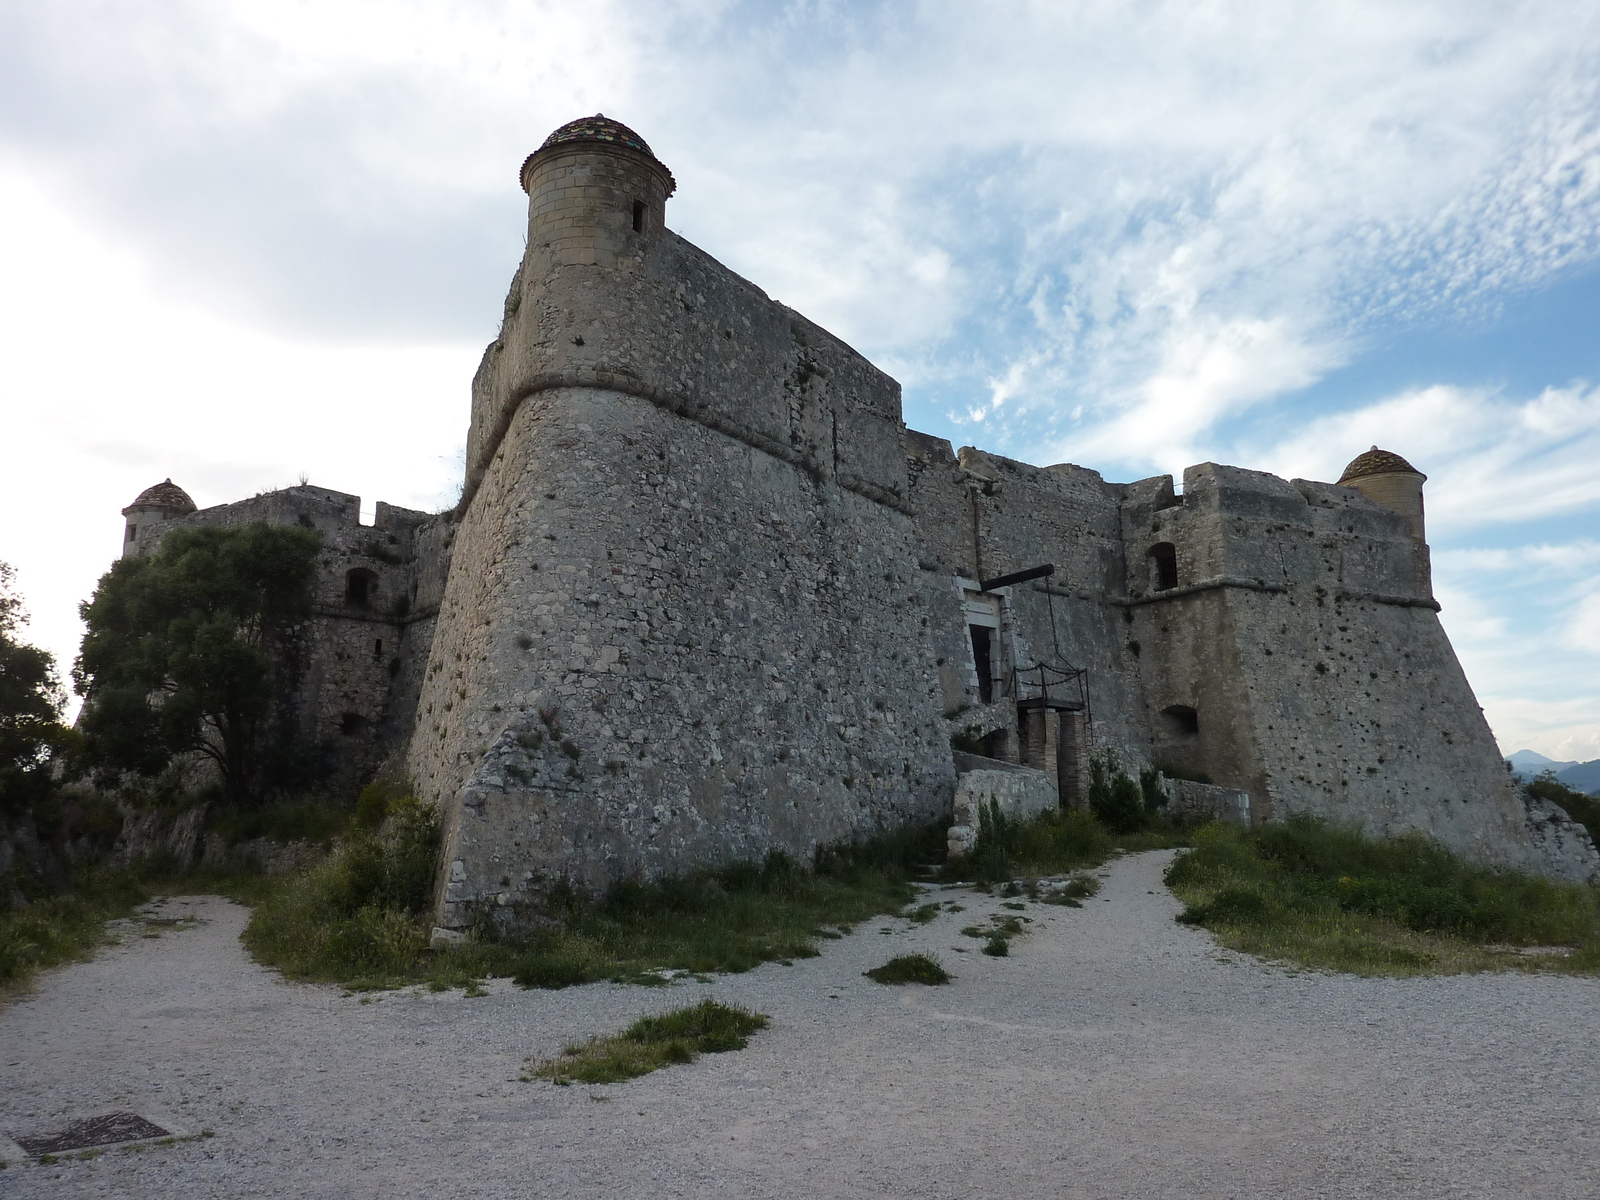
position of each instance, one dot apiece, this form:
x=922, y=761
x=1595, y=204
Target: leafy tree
x=30, y=707
x=185, y=649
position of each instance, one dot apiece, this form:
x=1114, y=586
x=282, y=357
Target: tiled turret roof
x=1377, y=462
x=598, y=128
x=165, y=496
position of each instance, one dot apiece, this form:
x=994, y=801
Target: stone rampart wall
x=662, y=648
x=981, y=514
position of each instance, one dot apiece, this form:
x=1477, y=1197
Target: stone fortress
x=705, y=596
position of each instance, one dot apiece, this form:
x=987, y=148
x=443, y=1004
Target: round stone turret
x=150, y=510
x=597, y=196
x=1387, y=479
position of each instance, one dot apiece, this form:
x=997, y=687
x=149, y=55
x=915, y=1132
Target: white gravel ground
x=1113, y=1054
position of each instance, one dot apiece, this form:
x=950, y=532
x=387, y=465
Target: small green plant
x=998, y=946
x=910, y=968
x=651, y=1043
x=922, y=914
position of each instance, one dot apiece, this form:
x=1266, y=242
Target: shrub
x=52, y=930
x=1114, y=797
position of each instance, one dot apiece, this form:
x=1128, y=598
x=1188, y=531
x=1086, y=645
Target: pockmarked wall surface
x=705, y=597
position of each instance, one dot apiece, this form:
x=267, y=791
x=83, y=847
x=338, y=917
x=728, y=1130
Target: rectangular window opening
x=638, y=217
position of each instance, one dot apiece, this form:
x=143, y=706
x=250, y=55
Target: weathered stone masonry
x=705, y=597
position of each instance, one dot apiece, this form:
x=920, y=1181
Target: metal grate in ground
x=108, y=1130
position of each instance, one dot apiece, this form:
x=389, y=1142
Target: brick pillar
x=1035, y=739
x=1050, y=722
x=1072, y=758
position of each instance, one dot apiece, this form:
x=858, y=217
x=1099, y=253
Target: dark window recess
x=360, y=585
x=638, y=217
x=377, y=647
x=133, y=533
x=1163, y=566
x=1182, y=720
x=982, y=659
x=352, y=723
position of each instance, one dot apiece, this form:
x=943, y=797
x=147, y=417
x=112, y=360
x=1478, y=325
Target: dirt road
x=1112, y=1054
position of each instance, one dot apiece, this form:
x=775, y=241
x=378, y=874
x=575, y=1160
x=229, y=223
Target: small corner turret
x=150, y=510
x=1385, y=478
x=597, y=196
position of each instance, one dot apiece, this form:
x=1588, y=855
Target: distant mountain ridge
x=1585, y=777
x=1579, y=776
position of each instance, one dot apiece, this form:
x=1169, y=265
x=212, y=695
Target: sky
x=248, y=241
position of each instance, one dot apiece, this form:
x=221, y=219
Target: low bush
x=1327, y=896
x=651, y=1043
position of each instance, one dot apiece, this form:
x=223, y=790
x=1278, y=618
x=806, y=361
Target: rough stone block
x=1019, y=794
x=1207, y=802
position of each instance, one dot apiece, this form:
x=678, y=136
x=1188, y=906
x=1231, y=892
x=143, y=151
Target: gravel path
x=1113, y=1054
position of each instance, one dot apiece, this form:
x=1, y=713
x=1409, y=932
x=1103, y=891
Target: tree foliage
x=185, y=649
x=30, y=707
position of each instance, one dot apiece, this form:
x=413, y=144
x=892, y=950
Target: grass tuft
x=910, y=968
x=651, y=1043
x=1326, y=896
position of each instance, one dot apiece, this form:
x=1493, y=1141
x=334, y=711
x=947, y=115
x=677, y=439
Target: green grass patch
x=910, y=968
x=68, y=927
x=1325, y=896
x=651, y=1043
x=1058, y=841
x=360, y=917
x=1071, y=893
x=1053, y=843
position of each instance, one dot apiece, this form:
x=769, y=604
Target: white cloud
x=1489, y=459
x=111, y=385
x=1091, y=230
x=1583, y=632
